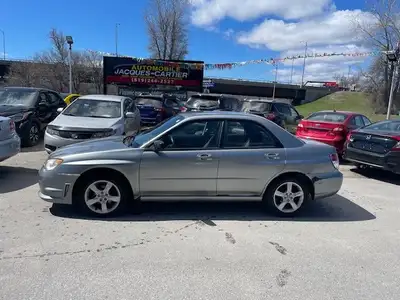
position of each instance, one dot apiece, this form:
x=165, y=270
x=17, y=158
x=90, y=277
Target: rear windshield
x=149, y=102
x=205, y=101
x=327, y=117
x=393, y=126
x=256, y=106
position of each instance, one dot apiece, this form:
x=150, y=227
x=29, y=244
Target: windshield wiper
x=96, y=117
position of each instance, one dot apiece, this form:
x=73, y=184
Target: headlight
x=51, y=131
x=104, y=134
x=19, y=117
x=52, y=163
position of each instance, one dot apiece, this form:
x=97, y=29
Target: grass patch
x=346, y=101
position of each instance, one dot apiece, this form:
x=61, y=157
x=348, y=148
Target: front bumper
x=53, y=142
x=10, y=147
x=56, y=187
x=327, y=184
x=389, y=161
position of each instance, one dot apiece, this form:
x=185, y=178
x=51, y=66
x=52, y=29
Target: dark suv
x=156, y=108
x=281, y=113
x=31, y=109
x=207, y=102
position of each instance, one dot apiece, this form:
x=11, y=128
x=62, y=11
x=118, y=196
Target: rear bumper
x=327, y=184
x=10, y=147
x=389, y=161
x=338, y=143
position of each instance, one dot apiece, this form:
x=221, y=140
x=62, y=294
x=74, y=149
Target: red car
x=331, y=127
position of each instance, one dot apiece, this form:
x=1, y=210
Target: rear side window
x=149, y=102
x=283, y=108
x=327, y=117
x=357, y=121
x=240, y=134
x=249, y=106
x=366, y=120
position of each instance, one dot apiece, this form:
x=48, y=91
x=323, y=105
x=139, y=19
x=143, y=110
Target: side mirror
x=158, y=145
x=129, y=114
x=59, y=110
x=301, y=117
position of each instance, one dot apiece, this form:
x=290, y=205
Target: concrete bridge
x=241, y=87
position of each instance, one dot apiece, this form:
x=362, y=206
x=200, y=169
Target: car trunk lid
x=321, y=129
x=379, y=143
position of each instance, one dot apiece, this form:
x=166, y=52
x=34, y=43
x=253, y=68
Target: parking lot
x=344, y=247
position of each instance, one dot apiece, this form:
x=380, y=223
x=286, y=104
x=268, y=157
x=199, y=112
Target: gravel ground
x=345, y=247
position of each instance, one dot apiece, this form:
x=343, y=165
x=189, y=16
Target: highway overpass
x=243, y=87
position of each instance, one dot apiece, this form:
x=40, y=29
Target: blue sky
x=221, y=31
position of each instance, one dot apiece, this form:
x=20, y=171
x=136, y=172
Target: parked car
x=69, y=98
x=331, y=127
x=90, y=117
x=207, y=102
x=156, y=108
x=206, y=156
x=281, y=113
x=376, y=145
x=10, y=143
x=31, y=109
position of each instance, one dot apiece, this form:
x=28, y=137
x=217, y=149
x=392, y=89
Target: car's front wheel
x=286, y=197
x=102, y=196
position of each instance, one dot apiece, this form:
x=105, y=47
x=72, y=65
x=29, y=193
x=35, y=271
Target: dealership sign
x=123, y=70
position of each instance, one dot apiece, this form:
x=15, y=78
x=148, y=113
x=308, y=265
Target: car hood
x=83, y=122
x=10, y=110
x=96, y=145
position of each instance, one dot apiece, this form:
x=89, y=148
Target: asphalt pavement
x=344, y=247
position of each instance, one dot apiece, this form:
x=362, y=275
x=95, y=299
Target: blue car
x=157, y=108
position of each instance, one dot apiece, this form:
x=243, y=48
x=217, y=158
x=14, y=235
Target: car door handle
x=204, y=156
x=271, y=155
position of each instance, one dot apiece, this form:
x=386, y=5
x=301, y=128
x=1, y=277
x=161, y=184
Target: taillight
x=12, y=126
x=348, y=137
x=335, y=160
x=397, y=146
x=183, y=109
x=339, y=130
x=160, y=109
x=270, y=116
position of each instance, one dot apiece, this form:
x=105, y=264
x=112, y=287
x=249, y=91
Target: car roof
x=113, y=98
x=216, y=114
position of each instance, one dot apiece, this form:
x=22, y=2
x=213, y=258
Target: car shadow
x=16, y=178
x=377, y=174
x=332, y=209
x=38, y=148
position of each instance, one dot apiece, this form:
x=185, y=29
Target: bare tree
x=167, y=27
x=26, y=74
x=382, y=33
x=93, y=62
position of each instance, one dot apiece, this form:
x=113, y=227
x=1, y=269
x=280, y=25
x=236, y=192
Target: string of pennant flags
x=230, y=65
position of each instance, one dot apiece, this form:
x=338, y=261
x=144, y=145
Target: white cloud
x=338, y=27
x=208, y=12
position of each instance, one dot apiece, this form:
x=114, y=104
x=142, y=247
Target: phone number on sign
x=153, y=80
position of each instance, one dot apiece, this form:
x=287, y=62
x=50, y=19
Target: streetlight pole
x=4, y=44
x=291, y=73
x=304, y=64
x=393, y=57
x=116, y=39
x=70, y=41
x=276, y=76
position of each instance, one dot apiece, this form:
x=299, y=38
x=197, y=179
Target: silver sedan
x=194, y=156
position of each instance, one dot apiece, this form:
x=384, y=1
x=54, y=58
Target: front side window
x=93, y=109
x=283, y=109
x=242, y=134
x=193, y=135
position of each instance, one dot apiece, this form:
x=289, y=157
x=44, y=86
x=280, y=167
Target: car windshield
x=327, y=117
x=392, y=126
x=256, y=106
x=205, y=101
x=149, y=102
x=17, y=97
x=146, y=136
x=93, y=109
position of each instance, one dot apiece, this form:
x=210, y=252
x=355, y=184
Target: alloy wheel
x=288, y=197
x=34, y=134
x=102, y=197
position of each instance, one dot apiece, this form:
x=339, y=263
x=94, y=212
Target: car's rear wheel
x=102, y=196
x=286, y=197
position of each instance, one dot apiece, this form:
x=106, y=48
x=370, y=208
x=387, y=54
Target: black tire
x=120, y=189
x=271, y=202
x=32, y=135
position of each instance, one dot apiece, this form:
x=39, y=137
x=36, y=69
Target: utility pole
x=4, y=44
x=304, y=64
x=116, y=39
x=291, y=73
